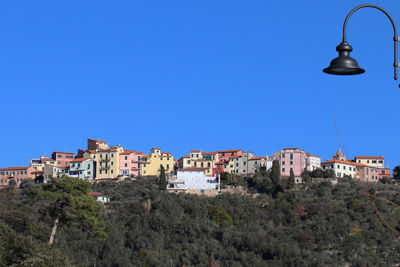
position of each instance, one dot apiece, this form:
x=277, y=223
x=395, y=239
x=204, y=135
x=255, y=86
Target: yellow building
x=38, y=164
x=203, y=160
x=107, y=162
x=152, y=163
x=372, y=161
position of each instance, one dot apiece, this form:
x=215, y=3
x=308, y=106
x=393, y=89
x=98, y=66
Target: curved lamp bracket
x=395, y=36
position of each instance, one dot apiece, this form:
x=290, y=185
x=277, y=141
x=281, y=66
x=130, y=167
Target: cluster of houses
x=198, y=171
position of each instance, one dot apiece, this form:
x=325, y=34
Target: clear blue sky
x=184, y=75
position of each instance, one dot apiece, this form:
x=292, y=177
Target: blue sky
x=184, y=75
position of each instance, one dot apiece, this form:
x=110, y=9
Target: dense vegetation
x=273, y=225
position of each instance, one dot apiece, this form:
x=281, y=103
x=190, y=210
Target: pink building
x=292, y=159
x=62, y=158
x=17, y=173
x=368, y=174
x=130, y=163
x=297, y=159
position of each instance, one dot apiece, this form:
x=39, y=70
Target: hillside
x=324, y=225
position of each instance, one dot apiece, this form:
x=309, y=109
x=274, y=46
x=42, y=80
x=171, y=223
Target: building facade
x=373, y=161
x=83, y=168
x=193, y=179
x=152, y=163
x=18, y=174
x=130, y=163
x=62, y=159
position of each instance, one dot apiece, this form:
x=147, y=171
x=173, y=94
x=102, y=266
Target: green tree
x=219, y=215
x=290, y=182
x=68, y=201
x=396, y=173
x=162, y=182
x=276, y=173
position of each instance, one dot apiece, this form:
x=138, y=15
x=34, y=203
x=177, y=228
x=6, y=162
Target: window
x=144, y=172
x=112, y=171
x=88, y=166
x=381, y=161
x=323, y=167
x=79, y=165
x=344, y=167
x=167, y=166
x=359, y=161
x=59, y=162
x=138, y=165
x=374, y=161
x=126, y=165
x=339, y=174
x=291, y=162
x=126, y=157
x=350, y=168
x=338, y=167
x=283, y=155
x=112, y=155
x=208, y=164
x=244, y=163
x=138, y=158
x=112, y=163
x=106, y=171
x=58, y=156
x=100, y=172
x=167, y=158
x=202, y=165
x=367, y=161
x=383, y=172
x=283, y=169
x=101, y=156
x=195, y=164
x=283, y=163
x=291, y=156
x=232, y=154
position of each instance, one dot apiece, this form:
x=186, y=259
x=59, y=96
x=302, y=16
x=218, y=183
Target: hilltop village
x=198, y=170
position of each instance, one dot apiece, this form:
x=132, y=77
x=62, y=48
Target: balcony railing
x=103, y=168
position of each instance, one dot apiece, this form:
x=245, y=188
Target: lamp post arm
x=395, y=37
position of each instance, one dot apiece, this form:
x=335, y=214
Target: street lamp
x=346, y=65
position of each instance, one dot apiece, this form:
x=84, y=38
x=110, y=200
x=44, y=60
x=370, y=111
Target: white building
x=192, y=179
x=99, y=197
x=312, y=162
x=82, y=168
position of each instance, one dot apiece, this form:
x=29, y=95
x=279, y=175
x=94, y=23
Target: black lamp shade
x=344, y=64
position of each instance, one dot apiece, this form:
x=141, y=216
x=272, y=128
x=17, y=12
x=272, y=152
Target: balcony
x=104, y=168
x=104, y=160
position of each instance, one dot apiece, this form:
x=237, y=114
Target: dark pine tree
x=290, y=183
x=162, y=182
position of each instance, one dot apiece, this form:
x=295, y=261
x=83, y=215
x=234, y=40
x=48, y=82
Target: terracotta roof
x=290, y=148
x=230, y=150
x=209, y=153
x=79, y=160
x=186, y=156
x=69, y=153
x=127, y=152
x=46, y=159
x=193, y=169
x=95, y=194
x=256, y=158
x=195, y=150
x=97, y=140
x=155, y=148
x=14, y=168
x=370, y=157
x=311, y=155
x=344, y=162
x=107, y=150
